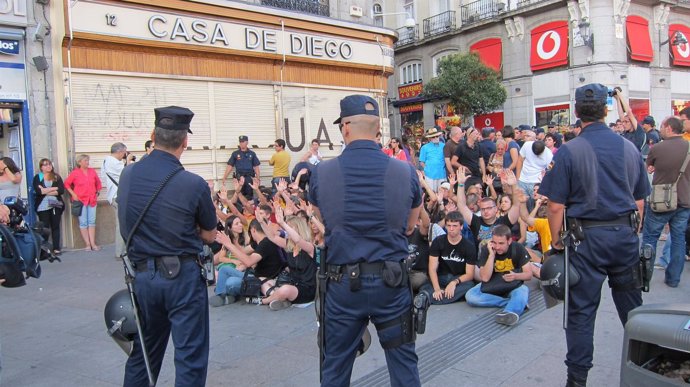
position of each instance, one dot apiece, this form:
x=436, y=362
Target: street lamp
x=587, y=35
x=678, y=39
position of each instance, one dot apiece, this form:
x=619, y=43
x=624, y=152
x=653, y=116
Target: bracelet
x=461, y=184
x=458, y=280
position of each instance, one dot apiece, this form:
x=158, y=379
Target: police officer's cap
x=244, y=138
x=356, y=104
x=173, y=118
x=594, y=92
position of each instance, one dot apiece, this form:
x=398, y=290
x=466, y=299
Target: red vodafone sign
x=494, y=120
x=681, y=52
x=549, y=46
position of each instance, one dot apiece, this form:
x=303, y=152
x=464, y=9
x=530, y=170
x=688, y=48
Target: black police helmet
x=119, y=319
x=9, y=271
x=553, y=276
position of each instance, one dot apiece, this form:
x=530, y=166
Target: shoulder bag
x=664, y=197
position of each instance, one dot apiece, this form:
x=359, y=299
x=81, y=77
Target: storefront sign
x=681, y=52
x=8, y=46
x=13, y=12
x=103, y=19
x=415, y=107
x=410, y=91
x=549, y=46
x=489, y=120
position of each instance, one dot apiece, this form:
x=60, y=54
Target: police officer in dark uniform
x=164, y=249
x=246, y=165
x=367, y=201
x=601, y=180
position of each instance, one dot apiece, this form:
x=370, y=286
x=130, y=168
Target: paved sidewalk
x=53, y=334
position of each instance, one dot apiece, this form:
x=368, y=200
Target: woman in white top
x=313, y=156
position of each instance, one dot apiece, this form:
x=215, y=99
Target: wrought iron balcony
x=438, y=24
x=527, y=3
x=315, y=7
x=407, y=36
x=477, y=11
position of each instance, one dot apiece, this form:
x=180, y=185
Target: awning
x=549, y=47
x=639, y=41
x=409, y=101
x=490, y=52
x=681, y=53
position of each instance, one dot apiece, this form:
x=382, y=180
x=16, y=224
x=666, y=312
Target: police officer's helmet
x=119, y=319
x=553, y=276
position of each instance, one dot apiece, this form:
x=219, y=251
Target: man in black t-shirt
x=503, y=266
x=482, y=226
x=451, y=264
x=468, y=155
x=418, y=249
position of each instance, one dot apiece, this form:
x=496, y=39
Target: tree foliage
x=468, y=84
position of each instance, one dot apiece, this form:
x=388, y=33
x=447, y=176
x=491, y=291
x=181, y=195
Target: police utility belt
x=576, y=226
x=394, y=274
x=168, y=266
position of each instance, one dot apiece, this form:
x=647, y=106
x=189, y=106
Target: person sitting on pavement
x=503, y=266
x=451, y=264
x=297, y=283
x=483, y=225
x=537, y=221
x=418, y=249
x=230, y=269
x=265, y=258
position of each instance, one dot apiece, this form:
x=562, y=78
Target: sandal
x=95, y=248
x=57, y=252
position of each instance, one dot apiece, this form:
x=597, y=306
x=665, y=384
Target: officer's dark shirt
x=169, y=227
x=244, y=162
x=598, y=175
x=469, y=157
x=370, y=204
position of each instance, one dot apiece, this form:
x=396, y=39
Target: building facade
x=265, y=69
x=544, y=50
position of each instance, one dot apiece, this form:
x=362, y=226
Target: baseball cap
x=539, y=130
x=649, y=120
x=173, y=118
x=353, y=105
x=593, y=92
x=445, y=185
x=244, y=138
x=524, y=127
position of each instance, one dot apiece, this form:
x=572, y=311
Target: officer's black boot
x=574, y=381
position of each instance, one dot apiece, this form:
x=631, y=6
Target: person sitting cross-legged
x=504, y=265
x=451, y=264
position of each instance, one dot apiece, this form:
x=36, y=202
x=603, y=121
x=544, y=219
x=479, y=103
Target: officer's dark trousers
x=347, y=314
x=180, y=305
x=604, y=251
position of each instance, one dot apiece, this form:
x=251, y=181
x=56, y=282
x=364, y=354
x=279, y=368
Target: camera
x=37, y=234
x=18, y=209
x=134, y=158
x=613, y=92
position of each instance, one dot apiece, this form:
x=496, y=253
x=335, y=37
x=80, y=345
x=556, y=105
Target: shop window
x=558, y=115
x=410, y=73
x=639, y=108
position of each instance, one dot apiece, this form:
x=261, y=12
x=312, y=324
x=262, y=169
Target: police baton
x=129, y=280
x=321, y=311
x=566, y=256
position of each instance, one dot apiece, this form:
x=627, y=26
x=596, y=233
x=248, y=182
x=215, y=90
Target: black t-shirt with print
x=418, y=248
x=483, y=231
x=453, y=258
x=270, y=264
x=511, y=260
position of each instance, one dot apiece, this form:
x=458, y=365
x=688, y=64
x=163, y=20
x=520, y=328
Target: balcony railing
x=407, y=35
x=438, y=24
x=477, y=11
x=314, y=7
x=527, y=3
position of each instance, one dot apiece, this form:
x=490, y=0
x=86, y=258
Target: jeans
x=653, y=226
x=229, y=281
x=88, y=217
x=528, y=188
x=666, y=254
x=515, y=302
x=443, y=281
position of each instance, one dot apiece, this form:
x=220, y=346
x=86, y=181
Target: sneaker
x=230, y=300
x=216, y=301
x=279, y=305
x=253, y=300
x=659, y=266
x=507, y=318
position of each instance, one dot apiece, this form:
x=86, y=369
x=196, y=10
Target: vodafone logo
x=487, y=122
x=555, y=38
x=549, y=47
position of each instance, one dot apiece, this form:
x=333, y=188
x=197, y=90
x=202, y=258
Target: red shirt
x=85, y=185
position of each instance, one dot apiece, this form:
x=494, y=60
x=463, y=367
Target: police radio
x=208, y=272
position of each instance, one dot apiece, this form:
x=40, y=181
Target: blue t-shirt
x=432, y=156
